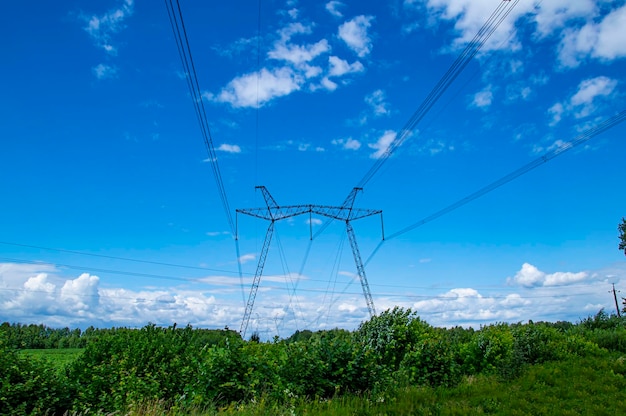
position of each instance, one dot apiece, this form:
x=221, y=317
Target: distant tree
x=255, y=337
x=622, y=235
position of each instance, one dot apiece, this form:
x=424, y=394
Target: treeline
x=19, y=336
x=177, y=368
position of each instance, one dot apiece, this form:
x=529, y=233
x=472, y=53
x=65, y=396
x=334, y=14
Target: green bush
x=30, y=386
x=432, y=362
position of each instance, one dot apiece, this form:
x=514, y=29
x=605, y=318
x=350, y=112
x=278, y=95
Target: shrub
x=30, y=386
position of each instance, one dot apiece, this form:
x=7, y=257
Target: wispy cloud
x=247, y=257
x=102, y=27
x=378, y=103
x=347, y=144
x=229, y=148
x=585, y=100
x=102, y=71
x=483, y=99
x=333, y=8
x=382, y=144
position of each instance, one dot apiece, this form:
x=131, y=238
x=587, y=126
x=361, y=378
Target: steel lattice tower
x=274, y=212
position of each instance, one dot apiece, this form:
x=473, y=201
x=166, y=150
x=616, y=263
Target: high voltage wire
x=578, y=140
x=389, y=295
x=226, y=284
x=184, y=51
x=479, y=40
x=104, y=256
x=482, y=36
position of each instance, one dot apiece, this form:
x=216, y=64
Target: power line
x=578, y=140
x=493, y=22
x=104, y=256
x=184, y=51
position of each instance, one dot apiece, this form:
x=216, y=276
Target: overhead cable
x=184, y=51
x=578, y=140
x=479, y=40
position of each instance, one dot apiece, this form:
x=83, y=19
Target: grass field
x=59, y=357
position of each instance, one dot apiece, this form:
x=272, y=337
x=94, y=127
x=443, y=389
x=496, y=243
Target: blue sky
x=103, y=161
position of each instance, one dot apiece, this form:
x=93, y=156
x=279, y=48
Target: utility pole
x=615, y=297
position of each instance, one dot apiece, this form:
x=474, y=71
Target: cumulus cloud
x=354, y=34
x=530, y=276
x=297, y=54
x=229, y=148
x=601, y=40
x=382, y=144
x=28, y=295
x=102, y=27
x=585, y=29
x=585, y=100
x=339, y=67
x=258, y=88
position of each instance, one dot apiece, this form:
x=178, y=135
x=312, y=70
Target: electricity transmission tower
x=274, y=212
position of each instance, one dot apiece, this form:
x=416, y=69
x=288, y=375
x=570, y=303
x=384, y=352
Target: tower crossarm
x=277, y=213
x=343, y=213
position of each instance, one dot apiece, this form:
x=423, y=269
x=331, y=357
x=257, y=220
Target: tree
x=622, y=235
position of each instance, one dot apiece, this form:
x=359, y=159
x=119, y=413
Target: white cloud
x=483, y=99
x=339, y=67
x=246, y=258
x=29, y=296
x=101, y=28
x=328, y=84
x=377, y=103
x=382, y=144
x=588, y=91
x=299, y=54
x=584, y=101
x=217, y=233
x=229, y=148
x=333, y=8
x=601, y=40
x=354, y=34
x=530, y=276
x=102, y=71
x=314, y=221
x=347, y=144
x=81, y=294
x=293, y=13
x=264, y=86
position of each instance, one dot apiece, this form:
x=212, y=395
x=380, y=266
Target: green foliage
x=489, y=349
x=432, y=362
x=30, y=386
x=124, y=366
x=391, y=334
x=182, y=370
